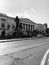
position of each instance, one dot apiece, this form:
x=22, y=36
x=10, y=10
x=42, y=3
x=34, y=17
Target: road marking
x=44, y=58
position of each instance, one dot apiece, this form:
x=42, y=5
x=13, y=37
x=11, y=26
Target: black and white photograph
x=24, y=32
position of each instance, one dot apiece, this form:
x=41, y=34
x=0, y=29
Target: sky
x=36, y=10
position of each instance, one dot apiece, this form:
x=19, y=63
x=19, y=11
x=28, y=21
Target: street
x=25, y=52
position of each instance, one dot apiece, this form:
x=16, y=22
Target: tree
x=20, y=26
x=46, y=25
x=17, y=22
x=17, y=26
x=45, y=28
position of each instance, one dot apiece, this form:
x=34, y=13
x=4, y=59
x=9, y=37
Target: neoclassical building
x=7, y=24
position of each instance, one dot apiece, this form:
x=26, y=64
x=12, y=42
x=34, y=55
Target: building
x=27, y=24
x=40, y=27
x=8, y=25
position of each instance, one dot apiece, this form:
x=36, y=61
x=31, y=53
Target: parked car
x=39, y=35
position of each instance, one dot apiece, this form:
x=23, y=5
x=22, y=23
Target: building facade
x=8, y=25
x=27, y=24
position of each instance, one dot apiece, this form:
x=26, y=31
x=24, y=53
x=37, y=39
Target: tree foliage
x=17, y=21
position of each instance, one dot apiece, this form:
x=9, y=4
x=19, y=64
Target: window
x=2, y=26
x=8, y=26
x=24, y=26
x=3, y=23
x=31, y=27
x=13, y=27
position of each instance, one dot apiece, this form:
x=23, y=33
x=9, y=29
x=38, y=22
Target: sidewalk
x=20, y=39
x=17, y=39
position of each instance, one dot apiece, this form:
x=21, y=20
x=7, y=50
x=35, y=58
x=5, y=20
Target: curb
x=21, y=39
x=12, y=40
x=44, y=60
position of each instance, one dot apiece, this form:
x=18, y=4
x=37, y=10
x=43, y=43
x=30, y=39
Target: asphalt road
x=25, y=52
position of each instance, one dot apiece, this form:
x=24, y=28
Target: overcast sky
x=36, y=10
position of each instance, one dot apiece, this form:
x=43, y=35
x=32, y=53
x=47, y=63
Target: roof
x=1, y=14
x=27, y=21
x=22, y=20
x=10, y=17
x=39, y=24
x=4, y=15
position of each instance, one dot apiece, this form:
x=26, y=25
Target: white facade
x=27, y=24
x=40, y=27
x=6, y=22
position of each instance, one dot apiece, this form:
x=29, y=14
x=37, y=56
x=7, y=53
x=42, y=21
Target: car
x=39, y=35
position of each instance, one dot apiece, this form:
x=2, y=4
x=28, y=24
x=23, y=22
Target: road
x=25, y=52
x=45, y=60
